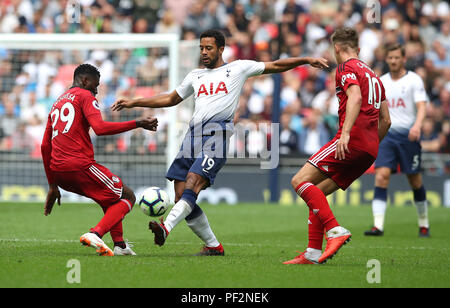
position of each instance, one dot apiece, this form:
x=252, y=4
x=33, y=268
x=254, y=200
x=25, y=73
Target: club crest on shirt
x=115, y=179
x=96, y=105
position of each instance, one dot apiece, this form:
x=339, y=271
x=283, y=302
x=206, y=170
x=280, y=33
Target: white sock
x=337, y=231
x=200, y=226
x=378, y=210
x=313, y=254
x=178, y=212
x=422, y=213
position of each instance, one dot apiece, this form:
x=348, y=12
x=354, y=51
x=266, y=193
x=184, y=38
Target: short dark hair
x=346, y=36
x=220, y=38
x=86, y=69
x=395, y=46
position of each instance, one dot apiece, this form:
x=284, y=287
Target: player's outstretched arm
x=157, y=101
x=384, y=121
x=352, y=110
x=147, y=123
x=282, y=65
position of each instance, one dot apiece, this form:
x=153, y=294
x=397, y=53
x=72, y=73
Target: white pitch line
x=225, y=244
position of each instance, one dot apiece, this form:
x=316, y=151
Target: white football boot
x=92, y=240
x=127, y=251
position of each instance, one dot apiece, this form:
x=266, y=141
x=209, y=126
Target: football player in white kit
x=216, y=89
x=407, y=100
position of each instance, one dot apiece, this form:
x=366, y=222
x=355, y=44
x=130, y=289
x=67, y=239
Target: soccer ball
x=154, y=202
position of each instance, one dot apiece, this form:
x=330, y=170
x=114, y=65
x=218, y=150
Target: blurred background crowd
x=262, y=30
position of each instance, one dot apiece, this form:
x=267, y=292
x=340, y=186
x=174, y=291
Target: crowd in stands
x=262, y=30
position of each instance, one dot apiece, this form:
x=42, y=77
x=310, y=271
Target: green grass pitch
x=35, y=250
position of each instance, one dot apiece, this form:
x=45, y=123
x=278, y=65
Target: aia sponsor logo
x=211, y=89
x=399, y=103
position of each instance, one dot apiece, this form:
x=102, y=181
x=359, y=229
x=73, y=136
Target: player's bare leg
x=313, y=186
x=420, y=200
x=379, y=202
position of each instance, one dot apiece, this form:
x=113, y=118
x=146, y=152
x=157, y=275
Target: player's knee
x=294, y=182
x=382, y=179
x=129, y=195
x=195, y=182
x=415, y=181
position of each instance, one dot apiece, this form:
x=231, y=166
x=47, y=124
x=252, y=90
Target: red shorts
x=342, y=172
x=96, y=182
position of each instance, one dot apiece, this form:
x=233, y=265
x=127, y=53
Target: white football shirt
x=402, y=95
x=216, y=91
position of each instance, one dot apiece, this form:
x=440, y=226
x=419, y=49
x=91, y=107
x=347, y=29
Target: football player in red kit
x=363, y=122
x=69, y=163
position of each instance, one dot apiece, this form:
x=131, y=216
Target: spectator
x=167, y=24
x=429, y=140
x=10, y=119
x=21, y=141
x=288, y=137
x=326, y=105
x=198, y=19
x=147, y=10
x=314, y=134
x=307, y=92
x=34, y=109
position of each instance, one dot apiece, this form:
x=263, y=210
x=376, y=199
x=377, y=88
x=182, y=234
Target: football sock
x=422, y=206
x=200, y=226
x=181, y=209
x=114, y=214
x=120, y=244
x=315, y=232
x=379, y=204
x=116, y=231
x=196, y=211
x=317, y=203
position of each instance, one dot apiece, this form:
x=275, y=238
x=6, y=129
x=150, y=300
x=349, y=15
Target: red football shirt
x=66, y=145
x=364, y=133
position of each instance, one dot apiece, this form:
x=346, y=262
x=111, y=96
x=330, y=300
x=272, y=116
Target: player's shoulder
x=413, y=76
x=348, y=66
x=196, y=72
x=244, y=63
x=385, y=77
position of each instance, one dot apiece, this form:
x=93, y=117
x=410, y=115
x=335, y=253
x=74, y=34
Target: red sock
x=315, y=232
x=116, y=231
x=113, y=215
x=317, y=203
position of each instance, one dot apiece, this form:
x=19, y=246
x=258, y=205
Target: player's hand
x=52, y=196
x=121, y=104
x=148, y=123
x=318, y=62
x=342, y=146
x=414, y=134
